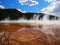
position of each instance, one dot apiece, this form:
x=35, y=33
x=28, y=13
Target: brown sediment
x=12, y=27
x=47, y=35
x=25, y=37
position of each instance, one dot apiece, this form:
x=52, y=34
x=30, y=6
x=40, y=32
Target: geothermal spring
x=35, y=19
x=30, y=32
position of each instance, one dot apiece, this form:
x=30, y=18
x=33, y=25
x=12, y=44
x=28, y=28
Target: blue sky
x=15, y=4
x=45, y=6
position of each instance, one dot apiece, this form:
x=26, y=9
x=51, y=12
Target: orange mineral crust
x=24, y=37
x=12, y=27
x=29, y=34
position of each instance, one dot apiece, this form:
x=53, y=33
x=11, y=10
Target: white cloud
x=28, y=2
x=1, y=7
x=21, y=11
x=50, y=0
x=53, y=8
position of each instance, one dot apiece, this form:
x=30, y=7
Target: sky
x=36, y=6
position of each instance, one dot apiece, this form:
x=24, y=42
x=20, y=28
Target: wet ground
x=29, y=34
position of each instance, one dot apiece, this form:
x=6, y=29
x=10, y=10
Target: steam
x=45, y=18
x=35, y=19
